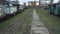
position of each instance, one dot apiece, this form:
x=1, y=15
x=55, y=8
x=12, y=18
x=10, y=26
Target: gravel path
x=37, y=27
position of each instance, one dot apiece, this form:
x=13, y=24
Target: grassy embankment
x=12, y=20
x=52, y=22
x=25, y=29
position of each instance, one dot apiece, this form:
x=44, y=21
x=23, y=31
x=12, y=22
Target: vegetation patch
x=26, y=27
x=51, y=21
x=12, y=20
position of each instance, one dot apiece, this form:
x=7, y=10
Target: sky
x=22, y=1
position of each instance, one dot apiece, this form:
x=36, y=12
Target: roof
x=14, y=2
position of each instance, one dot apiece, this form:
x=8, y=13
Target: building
x=29, y=3
x=24, y=4
x=32, y=3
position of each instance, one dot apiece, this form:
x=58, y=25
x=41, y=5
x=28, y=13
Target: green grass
x=52, y=22
x=27, y=23
x=14, y=19
x=19, y=17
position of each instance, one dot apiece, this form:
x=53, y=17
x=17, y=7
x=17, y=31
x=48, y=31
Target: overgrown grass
x=52, y=22
x=12, y=20
x=26, y=25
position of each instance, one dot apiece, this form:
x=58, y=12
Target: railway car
x=13, y=10
x=2, y=13
x=54, y=7
x=22, y=7
x=10, y=10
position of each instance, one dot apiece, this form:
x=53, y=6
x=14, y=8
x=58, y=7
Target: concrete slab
x=37, y=27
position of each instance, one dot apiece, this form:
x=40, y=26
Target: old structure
x=24, y=4
x=32, y=3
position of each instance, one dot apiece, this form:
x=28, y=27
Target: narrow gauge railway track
x=24, y=24
x=15, y=27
